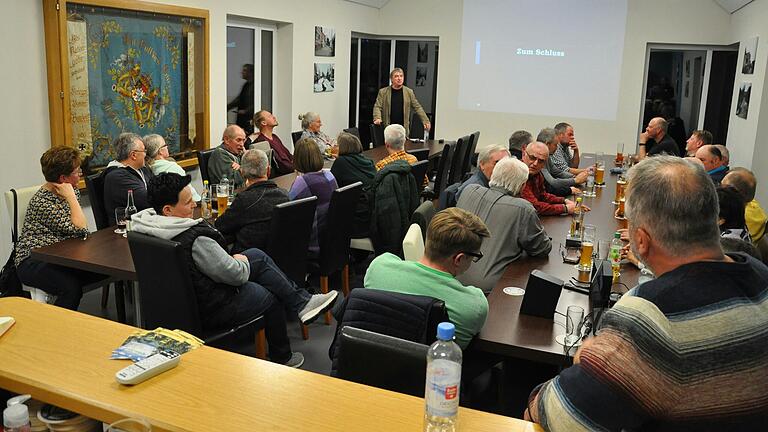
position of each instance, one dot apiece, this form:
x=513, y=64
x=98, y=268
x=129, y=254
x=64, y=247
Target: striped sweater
x=687, y=351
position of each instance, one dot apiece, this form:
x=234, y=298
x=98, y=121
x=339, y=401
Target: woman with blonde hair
x=158, y=159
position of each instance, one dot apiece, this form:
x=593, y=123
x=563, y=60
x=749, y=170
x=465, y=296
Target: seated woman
x=311, y=124
x=159, y=160
x=313, y=180
x=350, y=167
x=731, y=218
x=54, y=214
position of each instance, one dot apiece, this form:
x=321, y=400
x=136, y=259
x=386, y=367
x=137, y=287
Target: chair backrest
x=413, y=243
x=423, y=216
x=202, y=162
x=334, y=240
x=467, y=167
x=166, y=295
x=457, y=164
x=354, y=131
x=418, y=171
x=417, y=127
x=371, y=309
x=267, y=149
x=289, y=234
x=296, y=136
x=443, y=168
x=382, y=361
x=448, y=197
x=23, y=196
x=377, y=135
x=95, y=185
x=762, y=247
x=421, y=154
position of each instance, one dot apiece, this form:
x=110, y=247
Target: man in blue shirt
x=712, y=159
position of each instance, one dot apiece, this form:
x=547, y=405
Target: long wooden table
x=62, y=357
x=509, y=333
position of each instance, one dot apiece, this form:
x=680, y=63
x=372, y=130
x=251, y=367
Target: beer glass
x=619, y=154
x=587, y=247
x=121, y=220
x=222, y=197
x=573, y=320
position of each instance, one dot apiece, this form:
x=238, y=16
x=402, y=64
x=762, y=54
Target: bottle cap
x=578, y=199
x=16, y=416
x=20, y=399
x=617, y=235
x=445, y=331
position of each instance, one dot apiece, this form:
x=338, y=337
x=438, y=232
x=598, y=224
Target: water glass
x=130, y=425
x=121, y=220
x=573, y=321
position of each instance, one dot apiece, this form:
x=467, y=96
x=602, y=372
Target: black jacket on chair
x=117, y=182
x=393, y=197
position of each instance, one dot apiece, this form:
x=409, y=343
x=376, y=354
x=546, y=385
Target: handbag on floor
x=10, y=285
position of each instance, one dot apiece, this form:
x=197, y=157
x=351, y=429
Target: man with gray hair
x=225, y=159
x=712, y=159
x=725, y=153
x=247, y=221
x=557, y=186
x=486, y=161
x=394, y=104
x=695, y=336
x=516, y=230
x=655, y=141
x=126, y=173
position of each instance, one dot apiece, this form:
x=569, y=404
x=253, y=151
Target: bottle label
x=442, y=392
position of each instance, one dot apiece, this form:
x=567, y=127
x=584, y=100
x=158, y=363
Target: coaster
x=513, y=291
x=561, y=340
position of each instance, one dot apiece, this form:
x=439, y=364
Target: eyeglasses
x=139, y=151
x=535, y=159
x=78, y=172
x=476, y=256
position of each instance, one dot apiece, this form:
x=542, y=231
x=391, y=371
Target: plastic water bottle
x=616, y=246
x=16, y=416
x=426, y=135
x=443, y=379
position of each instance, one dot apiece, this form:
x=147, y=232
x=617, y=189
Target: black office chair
x=334, y=240
x=457, y=164
x=419, y=172
x=289, y=234
x=354, y=131
x=467, y=167
x=405, y=316
x=417, y=127
x=377, y=135
x=443, y=170
x=421, y=154
x=202, y=161
x=167, y=297
x=382, y=361
x=423, y=216
x=296, y=136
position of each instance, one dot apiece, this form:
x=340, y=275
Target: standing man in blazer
x=395, y=102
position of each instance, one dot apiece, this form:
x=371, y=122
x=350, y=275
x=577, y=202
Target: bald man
x=712, y=159
x=655, y=140
x=743, y=180
x=535, y=155
x=225, y=160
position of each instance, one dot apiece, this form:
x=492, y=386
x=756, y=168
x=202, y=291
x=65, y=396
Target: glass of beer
x=620, y=211
x=121, y=220
x=222, y=197
x=620, y=185
x=587, y=247
x=619, y=154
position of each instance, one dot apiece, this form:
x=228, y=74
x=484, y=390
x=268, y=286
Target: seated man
x=563, y=164
x=685, y=351
x=265, y=122
x=535, y=156
x=394, y=141
x=230, y=289
x=225, y=160
x=698, y=138
x=712, y=159
x=556, y=177
x=655, y=140
x=126, y=173
x=454, y=238
x=486, y=160
x=744, y=181
x=517, y=141
x=726, y=155
x=560, y=187
x=513, y=221
x=248, y=219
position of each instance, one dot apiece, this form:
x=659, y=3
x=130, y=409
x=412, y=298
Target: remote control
x=149, y=367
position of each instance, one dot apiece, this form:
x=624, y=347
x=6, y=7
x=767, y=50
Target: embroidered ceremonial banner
x=79, y=108
x=192, y=132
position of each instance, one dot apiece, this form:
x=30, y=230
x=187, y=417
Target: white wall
x=661, y=21
x=746, y=138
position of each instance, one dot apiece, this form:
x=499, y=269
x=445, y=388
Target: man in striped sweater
x=686, y=351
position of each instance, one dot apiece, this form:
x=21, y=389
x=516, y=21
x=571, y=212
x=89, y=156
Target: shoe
x=316, y=305
x=296, y=360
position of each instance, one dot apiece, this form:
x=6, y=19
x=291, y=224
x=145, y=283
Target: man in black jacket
x=127, y=173
x=247, y=220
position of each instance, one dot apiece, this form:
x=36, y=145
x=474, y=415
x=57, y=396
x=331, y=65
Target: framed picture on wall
x=742, y=106
x=324, y=80
x=687, y=68
x=750, y=52
x=325, y=41
x=423, y=53
x=687, y=85
x=421, y=76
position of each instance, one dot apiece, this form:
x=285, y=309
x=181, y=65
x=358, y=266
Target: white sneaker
x=296, y=360
x=316, y=305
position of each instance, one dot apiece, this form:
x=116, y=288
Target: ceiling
x=378, y=4
x=729, y=6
